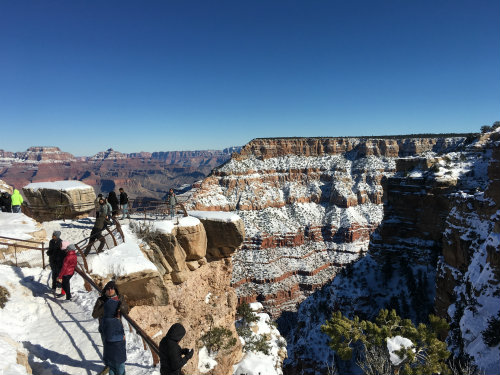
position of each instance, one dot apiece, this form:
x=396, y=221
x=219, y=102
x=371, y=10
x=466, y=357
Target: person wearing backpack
x=172, y=357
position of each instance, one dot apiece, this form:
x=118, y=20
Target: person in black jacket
x=113, y=201
x=5, y=202
x=124, y=203
x=56, y=256
x=172, y=357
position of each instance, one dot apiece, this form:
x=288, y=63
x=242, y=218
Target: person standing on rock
x=5, y=202
x=113, y=335
x=56, y=256
x=67, y=270
x=16, y=201
x=124, y=203
x=172, y=357
x=172, y=202
x=113, y=201
x=110, y=291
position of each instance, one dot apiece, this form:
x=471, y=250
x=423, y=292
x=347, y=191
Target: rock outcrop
x=59, y=199
x=309, y=206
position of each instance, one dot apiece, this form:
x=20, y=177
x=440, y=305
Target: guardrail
x=20, y=258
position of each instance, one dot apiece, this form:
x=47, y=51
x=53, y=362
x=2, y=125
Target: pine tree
x=427, y=355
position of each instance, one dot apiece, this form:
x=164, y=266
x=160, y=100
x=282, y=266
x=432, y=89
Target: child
x=68, y=269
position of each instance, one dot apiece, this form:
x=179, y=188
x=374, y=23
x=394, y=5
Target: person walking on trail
x=5, y=202
x=56, y=256
x=16, y=201
x=96, y=235
x=172, y=202
x=110, y=291
x=124, y=203
x=172, y=357
x=97, y=205
x=113, y=201
x=113, y=335
x=68, y=269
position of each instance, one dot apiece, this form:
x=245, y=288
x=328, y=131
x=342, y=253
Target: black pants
x=65, y=285
x=56, y=268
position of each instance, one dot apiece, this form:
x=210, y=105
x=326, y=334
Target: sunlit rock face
x=309, y=206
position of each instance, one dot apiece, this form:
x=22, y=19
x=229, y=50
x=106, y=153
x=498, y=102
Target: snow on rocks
x=65, y=185
x=17, y=226
x=397, y=343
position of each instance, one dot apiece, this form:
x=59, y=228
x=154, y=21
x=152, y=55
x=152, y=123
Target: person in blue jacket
x=115, y=352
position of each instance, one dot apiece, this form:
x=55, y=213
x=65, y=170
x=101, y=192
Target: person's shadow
x=89, y=366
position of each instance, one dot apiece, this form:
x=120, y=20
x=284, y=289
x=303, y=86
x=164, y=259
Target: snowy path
x=60, y=336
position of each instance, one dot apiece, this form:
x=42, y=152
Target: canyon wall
x=310, y=206
x=141, y=174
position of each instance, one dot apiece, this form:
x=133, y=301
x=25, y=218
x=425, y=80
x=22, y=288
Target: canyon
x=360, y=224
x=141, y=174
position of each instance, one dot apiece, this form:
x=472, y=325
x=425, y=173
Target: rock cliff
x=309, y=206
x=142, y=174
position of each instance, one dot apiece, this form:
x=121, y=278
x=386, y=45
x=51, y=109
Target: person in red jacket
x=68, y=269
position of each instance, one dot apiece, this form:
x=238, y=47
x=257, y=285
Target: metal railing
x=11, y=253
x=155, y=208
x=112, y=237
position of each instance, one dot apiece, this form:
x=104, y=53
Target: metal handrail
x=16, y=245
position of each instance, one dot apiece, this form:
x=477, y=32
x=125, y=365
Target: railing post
x=43, y=255
x=15, y=252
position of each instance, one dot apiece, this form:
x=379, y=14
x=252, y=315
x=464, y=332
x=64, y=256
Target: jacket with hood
x=123, y=198
x=5, y=202
x=16, y=198
x=113, y=334
x=69, y=264
x=171, y=359
x=55, y=247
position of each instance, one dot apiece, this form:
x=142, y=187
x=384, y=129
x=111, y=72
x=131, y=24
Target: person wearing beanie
x=67, y=270
x=109, y=292
x=56, y=256
x=172, y=357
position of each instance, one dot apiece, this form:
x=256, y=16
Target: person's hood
x=176, y=332
x=110, y=308
x=57, y=234
x=64, y=245
x=15, y=191
x=110, y=284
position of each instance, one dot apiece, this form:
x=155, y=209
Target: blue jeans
x=125, y=210
x=16, y=209
x=116, y=368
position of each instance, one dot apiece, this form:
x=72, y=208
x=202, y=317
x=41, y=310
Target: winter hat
x=110, y=285
x=57, y=234
x=71, y=247
x=64, y=245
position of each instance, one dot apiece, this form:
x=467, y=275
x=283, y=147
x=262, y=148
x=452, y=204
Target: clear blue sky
x=184, y=75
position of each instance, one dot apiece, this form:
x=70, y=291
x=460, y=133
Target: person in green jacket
x=17, y=201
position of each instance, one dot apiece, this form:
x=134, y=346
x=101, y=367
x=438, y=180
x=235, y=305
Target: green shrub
x=245, y=312
x=4, y=296
x=257, y=343
x=491, y=335
x=218, y=338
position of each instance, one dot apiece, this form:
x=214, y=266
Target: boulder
x=223, y=237
x=4, y=187
x=193, y=240
x=59, y=199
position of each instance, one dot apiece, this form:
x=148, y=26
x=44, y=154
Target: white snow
x=166, y=226
x=397, y=343
x=58, y=185
x=188, y=221
x=255, y=364
x=205, y=361
x=17, y=226
x=215, y=215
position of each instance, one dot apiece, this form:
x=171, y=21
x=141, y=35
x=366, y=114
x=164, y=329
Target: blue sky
x=184, y=75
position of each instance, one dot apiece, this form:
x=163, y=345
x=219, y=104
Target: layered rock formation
x=309, y=206
x=141, y=174
x=59, y=199
x=184, y=286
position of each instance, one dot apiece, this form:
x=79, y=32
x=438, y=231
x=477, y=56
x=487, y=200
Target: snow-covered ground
x=61, y=337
